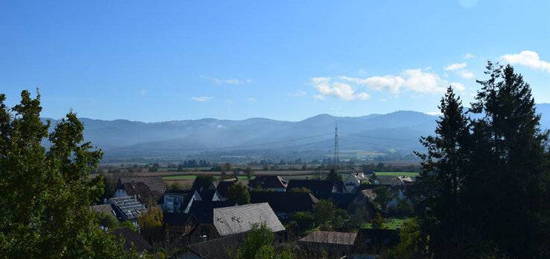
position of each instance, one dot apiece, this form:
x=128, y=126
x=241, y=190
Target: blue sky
x=173, y=60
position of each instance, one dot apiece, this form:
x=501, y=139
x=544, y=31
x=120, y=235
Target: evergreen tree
x=441, y=181
x=508, y=182
x=239, y=193
x=46, y=194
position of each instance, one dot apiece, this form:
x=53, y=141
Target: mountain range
x=392, y=135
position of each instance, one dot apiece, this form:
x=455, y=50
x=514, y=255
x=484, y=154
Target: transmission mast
x=336, y=157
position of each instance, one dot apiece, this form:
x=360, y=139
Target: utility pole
x=336, y=157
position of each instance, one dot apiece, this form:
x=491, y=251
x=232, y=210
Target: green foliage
x=46, y=194
x=260, y=236
x=109, y=183
x=302, y=222
x=411, y=245
x=377, y=221
x=129, y=225
x=333, y=176
x=175, y=187
x=150, y=224
x=484, y=181
x=249, y=173
x=107, y=220
x=238, y=192
x=258, y=244
x=324, y=212
x=383, y=196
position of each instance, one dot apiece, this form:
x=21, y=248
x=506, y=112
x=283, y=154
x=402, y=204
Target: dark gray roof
x=286, y=202
x=320, y=188
x=127, y=207
x=132, y=239
x=218, y=248
x=342, y=200
x=238, y=219
x=155, y=183
x=329, y=237
x=268, y=182
x=203, y=211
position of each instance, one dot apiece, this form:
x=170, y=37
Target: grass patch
x=391, y=223
x=410, y=174
x=179, y=177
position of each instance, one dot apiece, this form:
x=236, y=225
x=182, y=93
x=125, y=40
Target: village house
x=231, y=220
x=285, y=203
x=222, y=189
x=327, y=244
x=195, y=225
x=149, y=190
x=127, y=208
x=176, y=201
x=322, y=189
x=132, y=240
x=224, y=247
x=269, y=183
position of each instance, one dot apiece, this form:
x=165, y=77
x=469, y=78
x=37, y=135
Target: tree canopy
x=46, y=193
x=483, y=190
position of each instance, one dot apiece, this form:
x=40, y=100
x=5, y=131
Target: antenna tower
x=336, y=157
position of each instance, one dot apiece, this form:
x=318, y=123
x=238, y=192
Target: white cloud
x=458, y=86
x=230, y=81
x=202, y=98
x=326, y=87
x=460, y=69
x=466, y=74
x=456, y=66
x=416, y=80
x=469, y=56
x=251, y=99
x=529, y=59
x=434, y=113
x=389, y=82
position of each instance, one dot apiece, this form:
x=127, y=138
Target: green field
x=411, y=174
x=392, y=223
x=192, y=177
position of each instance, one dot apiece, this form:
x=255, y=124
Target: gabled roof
x=286, y=202
x=342, y=200
x=268, y=182
x=218, y=248
x=155, y=183
x=207, y=195
x=132, y=239
x=199, y=186
x=321, y=188
x=203, y=211
x=127, y=207
x=176, y=219
x=330, y=237
x=239, y=219
x=142, y=191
